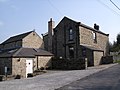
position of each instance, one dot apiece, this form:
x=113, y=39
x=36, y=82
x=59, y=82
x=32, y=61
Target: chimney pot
x=96, y=26
x=50, y=19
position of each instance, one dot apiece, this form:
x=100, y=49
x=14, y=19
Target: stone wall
x=44, y=61
x=45, y=39
x=33, y=40
x=86, y=37
x=97, y=57
x=5, y=62
x=61, y=38
x=19, y=66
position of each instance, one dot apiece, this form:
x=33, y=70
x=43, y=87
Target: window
x=94, y=37
x=71, y=51
x=18, y=60
x=84, y=52
x=70, y=34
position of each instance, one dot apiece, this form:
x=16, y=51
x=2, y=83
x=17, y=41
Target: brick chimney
x=51, y=25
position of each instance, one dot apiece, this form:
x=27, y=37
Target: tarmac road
x=51, y=80
x=108, y=79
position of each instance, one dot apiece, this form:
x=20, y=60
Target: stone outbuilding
x=23, y=54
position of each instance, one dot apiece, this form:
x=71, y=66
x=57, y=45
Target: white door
x=29, y=66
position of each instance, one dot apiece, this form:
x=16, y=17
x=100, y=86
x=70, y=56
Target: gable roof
x=65, y=18
x=16, y=38
x=25, y=52
x=83, y=25
x=90, y=28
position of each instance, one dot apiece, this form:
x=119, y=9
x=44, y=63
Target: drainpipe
x=37, y=62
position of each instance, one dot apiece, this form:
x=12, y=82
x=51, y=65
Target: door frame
x=29, y=60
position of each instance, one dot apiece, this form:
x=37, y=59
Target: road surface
x=51, y=80
x=108, y=79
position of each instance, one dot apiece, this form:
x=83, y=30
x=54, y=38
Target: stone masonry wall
x=44, y=61
x=5, y=62
x=61, y=37
x=19, y=66
x=86, y=37
x=97, y=58
x=45, y=39
x=32, y=41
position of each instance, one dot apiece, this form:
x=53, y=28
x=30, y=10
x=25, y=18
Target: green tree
x=115, y=47
x=118, y=39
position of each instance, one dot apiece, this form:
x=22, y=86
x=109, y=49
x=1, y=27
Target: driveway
x=51, y=80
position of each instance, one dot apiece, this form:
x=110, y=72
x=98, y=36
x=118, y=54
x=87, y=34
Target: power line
x=114, y=4
x=55, y=7
x=108, y=7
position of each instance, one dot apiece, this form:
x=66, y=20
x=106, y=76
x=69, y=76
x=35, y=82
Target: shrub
x=42, y=68
x=1, y=78
x=29, y=75
x=17, y=76
x=68, y=64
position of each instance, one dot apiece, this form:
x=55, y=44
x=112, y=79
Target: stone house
x=73, y=40
x=23, y=54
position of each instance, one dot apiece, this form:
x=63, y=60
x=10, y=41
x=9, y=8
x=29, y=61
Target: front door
x=29, y=66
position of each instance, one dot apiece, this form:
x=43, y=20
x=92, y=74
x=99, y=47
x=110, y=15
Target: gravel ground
x=51, y=80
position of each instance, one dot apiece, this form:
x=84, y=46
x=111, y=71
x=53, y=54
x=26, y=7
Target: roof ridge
x=17, y=37
x=21, y=34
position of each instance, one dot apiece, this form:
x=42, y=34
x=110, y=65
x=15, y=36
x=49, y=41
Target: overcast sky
x=20, y=16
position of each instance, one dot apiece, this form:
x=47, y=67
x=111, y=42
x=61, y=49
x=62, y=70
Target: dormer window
x=70, y=34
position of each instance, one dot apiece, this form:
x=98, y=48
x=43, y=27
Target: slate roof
x=91, y=47
x=8, y=53
x=42, y=52
x=25, y=53
x=16, y=38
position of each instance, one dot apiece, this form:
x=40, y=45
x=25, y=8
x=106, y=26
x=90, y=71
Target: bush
x=107, y=60
x=42, y=68
x=117, y=61
x=1, y=78
x=29, y=75
x=68, y=64
x=17, y=76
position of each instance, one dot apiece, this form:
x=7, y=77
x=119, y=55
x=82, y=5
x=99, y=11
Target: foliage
x=117, y=61
x=68, y=64
x=118, y=39
x=115, y=47
x=18, y=77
